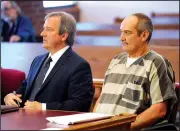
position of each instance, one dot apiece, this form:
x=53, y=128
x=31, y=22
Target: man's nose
x=42, y=33
x=122, y=38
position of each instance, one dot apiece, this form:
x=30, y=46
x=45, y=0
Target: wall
x=106, y=11
x=99, y=11
x=35, y=11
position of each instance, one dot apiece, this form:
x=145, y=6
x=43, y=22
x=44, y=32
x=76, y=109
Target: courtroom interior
x=87, y=42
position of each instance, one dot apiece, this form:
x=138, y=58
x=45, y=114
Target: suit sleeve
x=26, y=30
x=23, y=85
x=80, y=91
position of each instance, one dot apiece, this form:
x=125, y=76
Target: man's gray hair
x=144, y=23
x=67, y=24
x=16, y=6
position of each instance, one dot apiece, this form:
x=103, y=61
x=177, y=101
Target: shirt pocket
x=132, y=93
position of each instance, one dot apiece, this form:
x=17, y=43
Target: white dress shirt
x=55, y=57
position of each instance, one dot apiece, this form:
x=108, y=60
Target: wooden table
x=29, y=119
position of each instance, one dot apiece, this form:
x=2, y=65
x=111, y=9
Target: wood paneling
x=20, y=56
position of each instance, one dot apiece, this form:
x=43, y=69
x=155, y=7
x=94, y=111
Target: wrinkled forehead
x=56, y=19
x=53, y=21
x=129, y=23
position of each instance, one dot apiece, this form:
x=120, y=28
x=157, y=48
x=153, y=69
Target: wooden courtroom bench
x=96, y=29
x=113, y=30
x=19, y=56
x=158, y=14
x=109, y=35
x=158, y=38
x=118, y=20
x=99, y=57
x=164, y=21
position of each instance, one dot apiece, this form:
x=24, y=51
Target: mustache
x=124, y=42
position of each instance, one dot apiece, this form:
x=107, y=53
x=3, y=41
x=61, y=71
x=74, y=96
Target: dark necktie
x=39, y=80
x=43, y=71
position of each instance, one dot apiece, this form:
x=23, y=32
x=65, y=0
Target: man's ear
x=64, y=36
x=144, y=35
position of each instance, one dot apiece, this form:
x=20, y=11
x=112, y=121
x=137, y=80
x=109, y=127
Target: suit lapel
x=35, y=72
x=37, y=69
x=62, y=60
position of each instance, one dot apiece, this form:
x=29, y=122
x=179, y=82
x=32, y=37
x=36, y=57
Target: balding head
x=129, y=23
x=135, y=34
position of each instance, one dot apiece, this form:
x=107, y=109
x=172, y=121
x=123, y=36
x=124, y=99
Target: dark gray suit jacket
x=67, y=87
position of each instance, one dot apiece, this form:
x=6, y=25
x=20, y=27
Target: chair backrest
x=172, y=118
x=10, y=81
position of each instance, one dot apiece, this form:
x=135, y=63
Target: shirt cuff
x=43, y=106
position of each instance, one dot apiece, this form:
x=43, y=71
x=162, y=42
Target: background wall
x=100, y=11
x=106, y=11
x=35, y=11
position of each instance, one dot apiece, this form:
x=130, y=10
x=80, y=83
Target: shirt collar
x=55, y=57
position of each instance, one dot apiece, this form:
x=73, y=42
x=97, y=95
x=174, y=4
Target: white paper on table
x=52, y=129
x=77, y=118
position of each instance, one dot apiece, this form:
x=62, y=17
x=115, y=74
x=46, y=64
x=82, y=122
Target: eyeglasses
x=6, y=8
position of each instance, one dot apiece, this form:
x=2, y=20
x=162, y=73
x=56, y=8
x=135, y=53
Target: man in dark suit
x=61, y=79
x=15, y=26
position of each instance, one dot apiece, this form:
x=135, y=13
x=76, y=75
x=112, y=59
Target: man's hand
x=10, y=98
x=14, y=38
x=33, y=105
